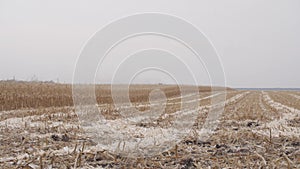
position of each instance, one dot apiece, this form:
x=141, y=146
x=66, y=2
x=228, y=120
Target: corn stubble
x=39, y=129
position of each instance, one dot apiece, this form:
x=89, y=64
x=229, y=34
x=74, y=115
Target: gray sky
x=257, y=41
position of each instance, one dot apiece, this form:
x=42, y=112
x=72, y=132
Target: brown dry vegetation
x=19, y=95
x=286, y=99
x=254, y=131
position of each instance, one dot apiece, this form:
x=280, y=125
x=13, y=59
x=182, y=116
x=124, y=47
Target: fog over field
x=257, y=41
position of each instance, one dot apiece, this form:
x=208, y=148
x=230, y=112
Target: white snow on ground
x=280, y=127
x=31, y=121
x=278, y=106
x=261, y=105
x=158, y=102
x=216, y=110
x=296, y=96
x=137, y=138
x=19, y=122
x=207, y=97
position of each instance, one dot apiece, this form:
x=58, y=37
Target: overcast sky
x=258, y=41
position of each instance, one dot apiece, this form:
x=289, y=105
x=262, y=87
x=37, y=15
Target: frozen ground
x=256, y=129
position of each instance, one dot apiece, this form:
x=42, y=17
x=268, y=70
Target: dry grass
x=255, y=131
x=22, y=95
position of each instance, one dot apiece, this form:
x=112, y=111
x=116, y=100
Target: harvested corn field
x=39, y=128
